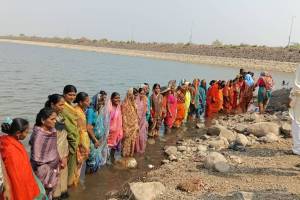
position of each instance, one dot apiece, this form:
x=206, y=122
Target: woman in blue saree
x=98, y=128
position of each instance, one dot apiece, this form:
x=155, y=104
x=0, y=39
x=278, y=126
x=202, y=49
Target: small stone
x=243, y=195
x=236, y=159
x=212, y=159
x=165, y=161
x=204, y=137
x=146, y=191
x=242, y=140
x=151, y=141
x=240, y=128
x=181, y=148
x=171, y=150
x=269, y=138
x=194, y=149
x=172, y=157
x=263, y=128
x=192, y=185
x=202, y=148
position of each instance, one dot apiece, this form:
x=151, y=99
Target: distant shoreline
x=264, y=65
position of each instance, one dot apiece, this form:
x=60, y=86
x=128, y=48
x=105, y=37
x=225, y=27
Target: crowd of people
x=75, y=133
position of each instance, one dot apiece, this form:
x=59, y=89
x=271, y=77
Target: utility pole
x=291, y=30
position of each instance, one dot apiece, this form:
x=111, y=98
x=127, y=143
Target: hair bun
x=5, y=128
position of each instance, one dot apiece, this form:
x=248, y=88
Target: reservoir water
x=30, y=73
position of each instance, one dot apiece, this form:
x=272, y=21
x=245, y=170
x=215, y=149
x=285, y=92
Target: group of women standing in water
x=75, y=134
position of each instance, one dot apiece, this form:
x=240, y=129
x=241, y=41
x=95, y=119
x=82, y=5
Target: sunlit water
x=30, y=73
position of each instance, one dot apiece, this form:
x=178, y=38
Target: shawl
x=45, y=158
x=115, y=128
x=18, y=168
x=249, y=80
x=129, y=116
x=156, y=105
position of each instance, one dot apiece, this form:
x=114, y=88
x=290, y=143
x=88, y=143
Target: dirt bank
x=260, y=58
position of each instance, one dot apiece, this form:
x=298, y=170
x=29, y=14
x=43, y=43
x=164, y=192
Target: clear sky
x=230, y=21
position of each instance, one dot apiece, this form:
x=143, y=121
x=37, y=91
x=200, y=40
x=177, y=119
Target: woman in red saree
x=23, y=183
x=171, y=107
x=180, y=107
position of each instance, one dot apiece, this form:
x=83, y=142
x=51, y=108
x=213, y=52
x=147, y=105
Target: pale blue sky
x=231, y=21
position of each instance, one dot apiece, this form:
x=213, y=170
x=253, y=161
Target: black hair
x=53, y=99
x=146, y=84
x=69, y=88
x=141, y=89
x=18, y=124
x=81, y=96
x=155, y=85
x=102, y=92
x=135, y=91
x=44, y=114
x=212, y=82
x=113, y=95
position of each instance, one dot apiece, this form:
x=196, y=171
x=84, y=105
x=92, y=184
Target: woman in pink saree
x=115, y=135
x=171, y=107
x=142, y=105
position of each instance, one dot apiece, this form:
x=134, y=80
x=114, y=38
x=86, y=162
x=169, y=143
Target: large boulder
x=214, y=131
x=286, y=129
x=219, y=143
x=171, y=150
x=240, y=128
x=146, y=191
x=216, y=161
x=242, y=140
x=228, y=134
x=263, y=128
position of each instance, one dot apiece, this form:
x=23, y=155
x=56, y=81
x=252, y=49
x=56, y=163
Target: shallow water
x=30, y=73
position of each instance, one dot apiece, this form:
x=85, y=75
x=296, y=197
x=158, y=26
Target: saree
x=227, y=99
x=100, y=122
x=202, y=100
x=221, y=99
x=212, y=101
x=141, y=139
x=70, y=117
x=180, y=109
x=187, y=103
x=130, y=125
x=171, y=109
x=63, y=150
x=115, y=129
x=156, y=114
x=84, y=140
x=23, y=185
x=45, y=159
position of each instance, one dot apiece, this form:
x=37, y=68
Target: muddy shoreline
x=221, y=59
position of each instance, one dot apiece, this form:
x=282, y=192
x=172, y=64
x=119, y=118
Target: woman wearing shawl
x=20, y=181
x=56, y=102
x=98, y=128
x=115, y=135
x=171, y=107
x=130, y=124
x=265, y=84
x=141, y=139
x=247, y=92
x=295, y=113
x=70, y=117
x=212, y=101
x=156, y=111
x=45, y=159
x=83, y=101
x=202, y=98
x=180, y=107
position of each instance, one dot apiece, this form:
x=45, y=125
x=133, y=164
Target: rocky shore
x=245, y=156
x=259, y=58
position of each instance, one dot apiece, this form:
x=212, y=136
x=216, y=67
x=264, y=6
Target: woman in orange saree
x=212, y=101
